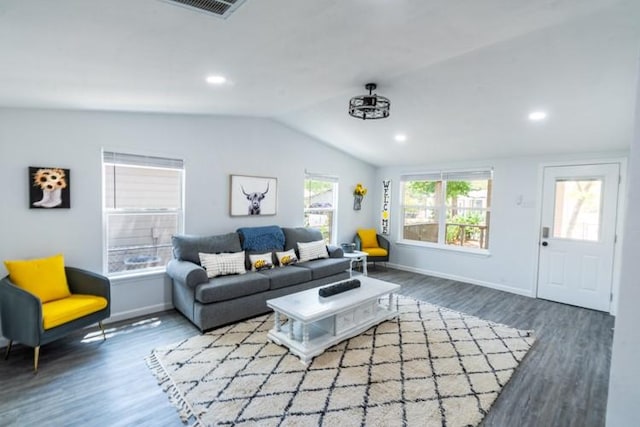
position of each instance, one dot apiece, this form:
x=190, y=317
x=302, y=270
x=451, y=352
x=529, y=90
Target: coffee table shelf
x=315, y=323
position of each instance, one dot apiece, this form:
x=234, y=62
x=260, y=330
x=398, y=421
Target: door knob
x=545, y=243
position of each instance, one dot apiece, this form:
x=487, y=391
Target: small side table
x=357, y=256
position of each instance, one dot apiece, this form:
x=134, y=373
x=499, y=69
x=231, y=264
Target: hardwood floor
x=84, y=381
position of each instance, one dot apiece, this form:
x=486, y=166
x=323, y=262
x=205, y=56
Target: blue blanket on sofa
x=261, y=239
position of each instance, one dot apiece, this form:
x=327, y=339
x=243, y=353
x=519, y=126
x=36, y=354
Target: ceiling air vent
x=220, y=8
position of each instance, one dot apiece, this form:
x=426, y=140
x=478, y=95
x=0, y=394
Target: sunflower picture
x=49, y=188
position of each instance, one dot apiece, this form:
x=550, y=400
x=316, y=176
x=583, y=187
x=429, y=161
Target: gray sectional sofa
x=209, y=303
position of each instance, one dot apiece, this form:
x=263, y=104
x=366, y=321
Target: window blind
x=318, y=177
x=124, y=159
x=452, y=175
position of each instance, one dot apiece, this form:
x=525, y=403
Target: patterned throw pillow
x=287, y=258
x=312, y=250
x=223, y=264
x=261, y=261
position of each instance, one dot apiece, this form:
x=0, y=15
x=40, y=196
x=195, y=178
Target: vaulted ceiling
x=462, y=76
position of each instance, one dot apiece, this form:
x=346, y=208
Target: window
x=320, y=195
x=143, y=208
x=447, y=208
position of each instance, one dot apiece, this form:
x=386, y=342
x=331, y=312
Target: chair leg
x=104, y=335
x=36, y=356
x=6, y=355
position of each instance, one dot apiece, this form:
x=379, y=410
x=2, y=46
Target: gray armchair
x=22, y=316
x=379, y=254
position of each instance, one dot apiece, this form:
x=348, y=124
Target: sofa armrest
x=88, y=283
x=20, y=314
x=335, y=251
x=187, y=272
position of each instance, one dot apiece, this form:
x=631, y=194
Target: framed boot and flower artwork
x=49, y=188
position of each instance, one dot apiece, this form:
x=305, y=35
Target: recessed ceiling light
x=400, y=137
x=536, y=116
x=216, y=80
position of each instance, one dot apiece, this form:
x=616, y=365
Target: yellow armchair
x=376, y=246
x=41, y=301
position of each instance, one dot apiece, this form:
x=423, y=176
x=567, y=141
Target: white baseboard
x=142, y=311
x=497, y=286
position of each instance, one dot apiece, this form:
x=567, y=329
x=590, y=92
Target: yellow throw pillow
x=368, y=237
x=43, y=277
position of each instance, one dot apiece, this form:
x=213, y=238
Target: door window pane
x=577, y=209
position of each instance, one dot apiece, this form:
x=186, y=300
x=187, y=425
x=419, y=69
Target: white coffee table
x=315, y=323
x=357, y=256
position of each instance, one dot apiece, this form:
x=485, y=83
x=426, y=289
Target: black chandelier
x=370, y=106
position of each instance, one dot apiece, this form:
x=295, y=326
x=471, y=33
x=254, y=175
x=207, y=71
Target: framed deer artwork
x=253, y=195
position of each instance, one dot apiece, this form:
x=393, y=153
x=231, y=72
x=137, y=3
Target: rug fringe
x=185, y=411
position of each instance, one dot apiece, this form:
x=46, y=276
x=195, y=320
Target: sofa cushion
x=325, y=267
x=299, y=234
x=187, y=247
x=283, y=277
x=224, y=288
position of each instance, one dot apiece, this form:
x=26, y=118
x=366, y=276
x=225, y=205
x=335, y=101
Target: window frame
x=334, y=204
x=442, y=207
x=142, y=161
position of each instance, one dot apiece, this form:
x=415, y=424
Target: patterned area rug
x=429, y=367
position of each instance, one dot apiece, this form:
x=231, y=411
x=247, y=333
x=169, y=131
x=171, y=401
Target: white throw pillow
x=223, y=264
x=261, y=261
x=287, y=258
x=312, y=250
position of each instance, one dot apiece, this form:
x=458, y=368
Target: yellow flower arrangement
x=359, y=190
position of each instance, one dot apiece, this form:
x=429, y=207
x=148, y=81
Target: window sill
x=447, y=248
x=127, y=276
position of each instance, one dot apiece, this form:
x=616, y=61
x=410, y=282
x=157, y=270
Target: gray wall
x=212, y=148
x=624, y=389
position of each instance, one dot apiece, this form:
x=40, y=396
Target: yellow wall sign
x=386, y=205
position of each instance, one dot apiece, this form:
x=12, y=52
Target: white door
x=579, y=206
